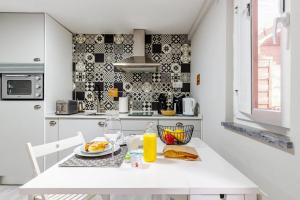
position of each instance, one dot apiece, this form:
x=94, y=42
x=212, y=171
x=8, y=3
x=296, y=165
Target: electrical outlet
x=177, y=84
x=198, y=79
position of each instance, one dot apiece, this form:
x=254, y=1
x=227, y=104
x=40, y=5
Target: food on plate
x=96, y=146
x=171, y=136
x=86, y=146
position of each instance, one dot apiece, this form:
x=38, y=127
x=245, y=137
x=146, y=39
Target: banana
x=179, y=134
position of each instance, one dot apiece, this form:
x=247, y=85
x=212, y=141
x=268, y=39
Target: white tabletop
x=211, y=175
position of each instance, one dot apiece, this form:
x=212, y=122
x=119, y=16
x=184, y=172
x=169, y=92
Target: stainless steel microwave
x=25, y=86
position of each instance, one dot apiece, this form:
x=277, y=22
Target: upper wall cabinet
x=22, y=38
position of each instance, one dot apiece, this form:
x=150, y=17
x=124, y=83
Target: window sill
x=281, y=142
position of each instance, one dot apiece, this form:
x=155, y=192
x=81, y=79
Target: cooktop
x=140, y=114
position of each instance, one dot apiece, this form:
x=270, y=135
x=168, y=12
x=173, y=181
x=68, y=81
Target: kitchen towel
x=103, y=161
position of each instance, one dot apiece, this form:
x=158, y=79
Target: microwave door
x=17, y=87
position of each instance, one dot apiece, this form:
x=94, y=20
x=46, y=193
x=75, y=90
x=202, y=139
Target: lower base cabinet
x=19, y=123
x=180, y=197
x=90, y=128
x=58, y=129
x=176, y=122
x=146, y=197
x=51, y=136
x=137, y=127
x=217, y=197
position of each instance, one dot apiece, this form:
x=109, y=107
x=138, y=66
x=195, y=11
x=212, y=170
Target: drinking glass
x=113, y=131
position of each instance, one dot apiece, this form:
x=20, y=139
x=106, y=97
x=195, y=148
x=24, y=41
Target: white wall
x=276, y=172
x=58, y=63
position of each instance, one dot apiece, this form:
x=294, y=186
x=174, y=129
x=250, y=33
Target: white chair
x=46, y=149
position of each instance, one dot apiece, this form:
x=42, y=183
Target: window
x=266, y=61
x=262, y=61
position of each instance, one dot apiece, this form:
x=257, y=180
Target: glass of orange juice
x=149, y=144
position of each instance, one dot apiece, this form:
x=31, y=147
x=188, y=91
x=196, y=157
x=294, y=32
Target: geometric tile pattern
x=94, y=73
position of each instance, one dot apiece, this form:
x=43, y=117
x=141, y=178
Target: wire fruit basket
x=175, y=135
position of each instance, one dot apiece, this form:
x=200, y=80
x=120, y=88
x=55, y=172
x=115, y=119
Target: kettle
x=188, y=106
x=123, y=104
x=80, y=106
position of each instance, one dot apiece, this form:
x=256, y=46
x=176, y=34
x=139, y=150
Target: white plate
x=78, y=151
x=108, y=147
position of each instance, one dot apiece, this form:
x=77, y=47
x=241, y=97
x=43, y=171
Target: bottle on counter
x=149, y=146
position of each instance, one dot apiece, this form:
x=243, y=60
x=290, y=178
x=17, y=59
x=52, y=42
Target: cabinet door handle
x=101, y=124
x=37, y=107
x=52, y=123
x=36, y=59
x=179, y=124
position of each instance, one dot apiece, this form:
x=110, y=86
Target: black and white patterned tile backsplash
x=94, y=73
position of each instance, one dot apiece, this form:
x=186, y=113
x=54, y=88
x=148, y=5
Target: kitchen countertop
x=122, y=116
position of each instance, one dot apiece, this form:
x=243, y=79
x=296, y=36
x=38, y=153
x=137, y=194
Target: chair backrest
x=49, y=148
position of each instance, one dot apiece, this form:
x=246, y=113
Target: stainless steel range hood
x=139, y=62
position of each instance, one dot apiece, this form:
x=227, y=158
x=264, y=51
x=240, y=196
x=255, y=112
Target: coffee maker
x=177, y=102
x=162, y=102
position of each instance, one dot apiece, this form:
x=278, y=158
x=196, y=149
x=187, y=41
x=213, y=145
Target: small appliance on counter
x=80, y=106
x=177, y=102
x=162, y=103
x=123, y=104
x=170, y=105
x=188, y=105
x=68, y=107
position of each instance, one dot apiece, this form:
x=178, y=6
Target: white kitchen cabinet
x=22, y=38
x=174, y=122
x=51, y=127
x=90, y=128
x=20, y=123
x=137, y=124
x=216, y=197
x=177, y=197
x=167, y=197
x=197, y=133
x=58, y=65
x=134, y=132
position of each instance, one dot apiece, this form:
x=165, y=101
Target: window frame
x=252, y=114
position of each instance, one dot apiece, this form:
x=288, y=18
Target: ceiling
x=114, y=16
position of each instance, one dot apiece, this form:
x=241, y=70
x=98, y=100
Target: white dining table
x=211, y=178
